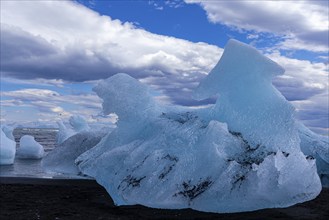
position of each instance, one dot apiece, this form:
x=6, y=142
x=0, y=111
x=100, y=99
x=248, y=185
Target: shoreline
x=77, y=198
x=50, y=181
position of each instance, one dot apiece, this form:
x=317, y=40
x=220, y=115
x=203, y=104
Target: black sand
x=28, y=200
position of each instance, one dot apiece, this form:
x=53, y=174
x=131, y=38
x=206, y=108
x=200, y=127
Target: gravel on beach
x=34, y=201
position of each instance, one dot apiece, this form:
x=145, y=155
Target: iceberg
x=8, y=130
x=78, y=124
x=63, y=132
x=7, y=146
x=61, y=159
x=248, y=102
x=29, y=148
x=242, y=154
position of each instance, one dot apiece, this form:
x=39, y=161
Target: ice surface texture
x=61, y=159
x=7, y=146
x=79, y=123
x=242, y=154
x=29, y=148
x=248, y=102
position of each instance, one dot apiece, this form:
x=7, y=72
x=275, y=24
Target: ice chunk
x=7, y=148
x=316, y=146
x=241, y=155
x=8, y=130
x=79, y=123
x=184, y=163
x=61, y=159
x=63, y=132
x=248, y=102
x=29, y=148
x=133, y=102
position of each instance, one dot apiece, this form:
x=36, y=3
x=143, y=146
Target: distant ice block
x=242, y=154
x=63, y=132
x=7, y=148
x=78, y=124
x=29, y=148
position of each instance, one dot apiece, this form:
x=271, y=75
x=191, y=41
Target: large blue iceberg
x=242, y=154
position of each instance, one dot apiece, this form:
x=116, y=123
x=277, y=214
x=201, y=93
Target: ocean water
x=32, y=168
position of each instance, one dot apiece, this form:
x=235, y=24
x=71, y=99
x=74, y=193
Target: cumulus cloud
x=50, y=107
x=77, y=44
x=303, y=24
x=50, y=102
x=314, y=112
x=57, y=42
x=302, y=79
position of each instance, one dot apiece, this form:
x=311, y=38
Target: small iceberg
x=7, y=146
x=29, y=148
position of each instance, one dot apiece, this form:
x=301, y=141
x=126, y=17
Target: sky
x=54, y=52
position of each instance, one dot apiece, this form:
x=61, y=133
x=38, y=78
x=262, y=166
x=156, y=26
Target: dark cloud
x=16, y=43
x=295, y=89
x=176, y=65
x=26, y=56
x=316, y=37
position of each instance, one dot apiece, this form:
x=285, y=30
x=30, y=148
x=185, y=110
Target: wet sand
x=87, y=200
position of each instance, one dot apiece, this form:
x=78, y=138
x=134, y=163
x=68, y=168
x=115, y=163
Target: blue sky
x=54, y=52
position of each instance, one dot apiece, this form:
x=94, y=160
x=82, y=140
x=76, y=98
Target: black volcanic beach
x=87, y=200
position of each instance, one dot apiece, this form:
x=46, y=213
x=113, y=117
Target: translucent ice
x=29, y=148
x=63, y=132
x=61, y=159
x=78, y=124
x=316, y=146
x=242, y=154
x=7, y=148
x=248, y=102
x=8, y=130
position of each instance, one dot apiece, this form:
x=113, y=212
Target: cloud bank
x=64, y=40
x=61, y=42
x=304, y=25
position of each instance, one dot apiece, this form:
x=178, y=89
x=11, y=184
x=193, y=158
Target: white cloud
x=31, y=94
x=55, y=42
x=314, y=112
x=65, y=41
x=77, y=34
x=252, y=36
x=304, y=24
x=51, y=104
x=39, y=81
x=161, y=5
x=306, y=85
x=302, y=79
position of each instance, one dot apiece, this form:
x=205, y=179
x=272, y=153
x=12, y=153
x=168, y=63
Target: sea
x=44, y=136
x=30, y=168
